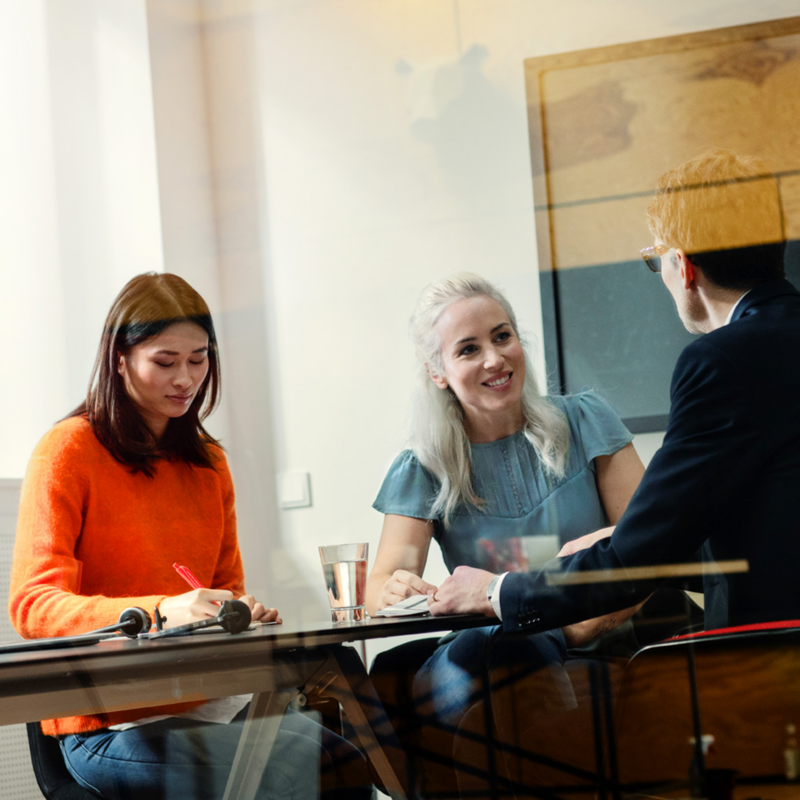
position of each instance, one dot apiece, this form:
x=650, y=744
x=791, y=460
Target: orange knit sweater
x=94, y=539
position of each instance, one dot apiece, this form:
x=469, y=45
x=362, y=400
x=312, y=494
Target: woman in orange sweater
x=114, y=494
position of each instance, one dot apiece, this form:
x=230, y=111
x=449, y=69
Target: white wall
x=365, y=206
x=29, y=279
x=362, y=214
x=78, y=201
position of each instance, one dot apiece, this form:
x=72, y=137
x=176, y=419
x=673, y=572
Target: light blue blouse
x=521, y=497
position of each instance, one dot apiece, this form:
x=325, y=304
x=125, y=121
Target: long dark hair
x=147, y=305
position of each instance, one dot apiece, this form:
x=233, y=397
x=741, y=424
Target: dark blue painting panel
x=614, y=328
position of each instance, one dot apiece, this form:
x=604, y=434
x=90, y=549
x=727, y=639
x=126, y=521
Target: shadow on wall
x=471, y=125
x=272, y=574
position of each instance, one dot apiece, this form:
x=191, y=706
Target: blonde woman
x=492, y=462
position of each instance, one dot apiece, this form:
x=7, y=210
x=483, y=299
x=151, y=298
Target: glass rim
x=328, y=558
x=652, y=256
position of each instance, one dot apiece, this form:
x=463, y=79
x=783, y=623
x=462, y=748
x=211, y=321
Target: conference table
x=279, y=664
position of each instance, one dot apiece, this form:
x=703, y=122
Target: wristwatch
x=491, y=587
x=493, y=594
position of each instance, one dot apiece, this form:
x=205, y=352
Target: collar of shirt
x=734, y=307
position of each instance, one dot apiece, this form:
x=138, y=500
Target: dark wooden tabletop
x=287, y=636
x=129, y=673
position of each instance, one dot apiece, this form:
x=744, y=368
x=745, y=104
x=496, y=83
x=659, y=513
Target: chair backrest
x=51, y=775
x=16, y=776
x=748, y=691
x=55, y=781
x=9, y=501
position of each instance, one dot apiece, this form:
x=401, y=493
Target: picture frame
x=604, y=124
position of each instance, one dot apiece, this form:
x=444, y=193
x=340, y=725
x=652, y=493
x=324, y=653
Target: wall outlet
x=294, y=489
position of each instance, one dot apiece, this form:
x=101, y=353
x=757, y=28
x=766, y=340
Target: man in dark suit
x=724, y=489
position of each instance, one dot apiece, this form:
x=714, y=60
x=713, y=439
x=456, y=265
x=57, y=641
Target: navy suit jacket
x=726, y=483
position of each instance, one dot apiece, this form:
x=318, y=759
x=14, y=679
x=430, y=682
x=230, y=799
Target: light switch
x=294, y=489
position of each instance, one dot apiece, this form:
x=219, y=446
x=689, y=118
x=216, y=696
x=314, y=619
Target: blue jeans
x=183, y=759
x=473, y=665
x=474, y=696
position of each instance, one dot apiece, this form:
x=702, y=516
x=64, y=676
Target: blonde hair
x=438, y=437
x=723, y=210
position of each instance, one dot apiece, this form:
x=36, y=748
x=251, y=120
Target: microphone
x=234, y=617
x=132, y=622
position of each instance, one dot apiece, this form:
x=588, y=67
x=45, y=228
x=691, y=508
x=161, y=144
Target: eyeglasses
x=652, y=256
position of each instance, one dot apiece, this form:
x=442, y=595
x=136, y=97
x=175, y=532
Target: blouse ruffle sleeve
x=602, y=432
x=408, y=489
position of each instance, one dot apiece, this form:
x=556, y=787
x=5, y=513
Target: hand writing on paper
x=259, y=611
x=402, y=584
x=193, y=606
x=200, y=604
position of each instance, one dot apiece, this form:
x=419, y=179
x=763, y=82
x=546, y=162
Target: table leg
x=255, y=744
x=344, y=678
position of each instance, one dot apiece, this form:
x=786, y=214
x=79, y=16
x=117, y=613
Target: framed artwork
x=604, y=125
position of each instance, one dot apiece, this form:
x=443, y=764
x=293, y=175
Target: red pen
x=188, y=576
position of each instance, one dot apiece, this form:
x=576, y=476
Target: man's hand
x=464, y=592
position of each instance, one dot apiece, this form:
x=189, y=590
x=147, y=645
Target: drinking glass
x=345, y=568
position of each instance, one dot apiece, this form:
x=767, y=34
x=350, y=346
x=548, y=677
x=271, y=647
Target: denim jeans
x=468, y=667
x=471, y=695
x=183, y=759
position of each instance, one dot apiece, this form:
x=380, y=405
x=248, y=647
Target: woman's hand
x=194, y=606
x=259, y=612
x=401, y=557
x=402, y=584
x=583, y=542
x=582, y=633
x=200, y=604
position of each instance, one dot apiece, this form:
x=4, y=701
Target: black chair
x=740, y=686
x=53, y=777
x=571, y=748
x=482, y=763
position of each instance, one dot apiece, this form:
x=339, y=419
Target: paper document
x=416, y=605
